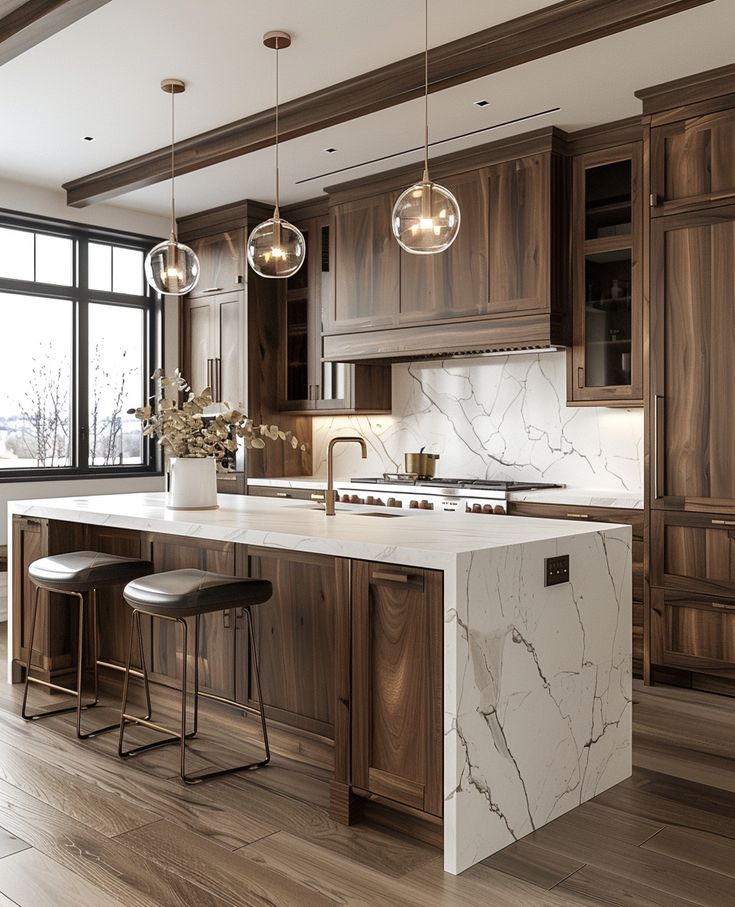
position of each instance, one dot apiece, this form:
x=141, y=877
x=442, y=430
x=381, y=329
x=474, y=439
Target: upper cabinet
x=366, y=266
x=221, y=262
x=605, y=360
x=503, y=284
x=693, y=163
x=306, y=383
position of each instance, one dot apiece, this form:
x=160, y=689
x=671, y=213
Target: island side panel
x=538, y=714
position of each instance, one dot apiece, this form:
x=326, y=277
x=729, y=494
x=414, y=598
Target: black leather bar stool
x=176, y=596
x=79, y=574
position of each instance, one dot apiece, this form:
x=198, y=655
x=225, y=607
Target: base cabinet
x=397, y=684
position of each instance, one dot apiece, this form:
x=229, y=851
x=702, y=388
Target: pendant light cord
x=426, y=91
x=278, y=177
x=173, y=194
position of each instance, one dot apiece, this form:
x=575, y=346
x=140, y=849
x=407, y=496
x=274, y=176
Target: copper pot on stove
x=420, y=464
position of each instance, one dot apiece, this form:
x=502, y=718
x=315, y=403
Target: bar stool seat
x=176, y=596
x=82, y=571
x=79, y=574
x=186, y=593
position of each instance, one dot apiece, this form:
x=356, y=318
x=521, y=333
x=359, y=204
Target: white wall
x=497, y=418
x=50, y=203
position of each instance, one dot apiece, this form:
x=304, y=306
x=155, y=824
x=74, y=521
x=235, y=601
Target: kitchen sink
x=383, y=513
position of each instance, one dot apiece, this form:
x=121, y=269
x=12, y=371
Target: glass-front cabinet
x=605, y=361
x=307, y=383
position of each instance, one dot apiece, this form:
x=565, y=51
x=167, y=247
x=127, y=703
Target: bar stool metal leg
x=77, y=707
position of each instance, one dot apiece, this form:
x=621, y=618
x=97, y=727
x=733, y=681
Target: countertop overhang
x=419, y=539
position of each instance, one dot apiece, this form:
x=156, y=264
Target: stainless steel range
x=451, y=495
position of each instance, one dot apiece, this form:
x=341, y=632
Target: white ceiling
x=100, y=77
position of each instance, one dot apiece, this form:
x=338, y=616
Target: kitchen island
x=532, y=682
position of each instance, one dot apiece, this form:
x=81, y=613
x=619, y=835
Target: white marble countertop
x=579, y=497
x=415, y=538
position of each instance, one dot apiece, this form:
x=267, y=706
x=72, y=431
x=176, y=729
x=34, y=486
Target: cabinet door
x=366, y=266
x=606, y=357
x=217, y=636
x=200, y=342
x=693, y=163
x=454, y=283
x=519, y=199
x=221, y=262
x=295, y=635
x=397, y=684
x=693, y=552
x=231, y=345
x=692, y=343
x=693, y=633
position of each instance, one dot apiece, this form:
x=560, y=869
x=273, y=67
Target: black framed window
x=80, y=335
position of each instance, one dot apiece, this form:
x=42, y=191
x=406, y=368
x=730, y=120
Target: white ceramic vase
x=192, y=483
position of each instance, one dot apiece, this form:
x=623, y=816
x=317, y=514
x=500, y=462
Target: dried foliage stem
x=183, y=430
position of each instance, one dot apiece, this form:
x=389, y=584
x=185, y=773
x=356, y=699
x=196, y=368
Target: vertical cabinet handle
x=657, y=399
x=209, y=375
x=218, y=378
x=580, y=376
x=226, y=619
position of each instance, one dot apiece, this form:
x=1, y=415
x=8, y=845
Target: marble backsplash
x=498, y=418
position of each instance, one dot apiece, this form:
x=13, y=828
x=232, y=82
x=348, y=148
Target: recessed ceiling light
x=482, y=103
x=330, y=150
x=87, y=138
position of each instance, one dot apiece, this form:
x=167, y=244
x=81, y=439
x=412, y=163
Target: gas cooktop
x=489, y=484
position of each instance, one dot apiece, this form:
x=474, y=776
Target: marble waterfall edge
x=537, y=710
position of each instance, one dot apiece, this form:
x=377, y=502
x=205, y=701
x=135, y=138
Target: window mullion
x=81, y=359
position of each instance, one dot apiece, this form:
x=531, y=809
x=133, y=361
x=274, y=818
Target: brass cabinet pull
x=723, y=607
x=723, y=522
x=282, y=494
x=212, y=290
x=580, y=378
x=392, y=577
x=317, y=497
x=578, y=516
x=218, y=378
x=209, y=374
x=226, y=619
x=657, y=398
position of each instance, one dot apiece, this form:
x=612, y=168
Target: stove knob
x=355, y=500
x=392, y=502
x=476, y=508
x=467, y=508
x=426, y=505
x=413, y=505
x=379, y=502
x=500, y=509
x=487, y=508
x=370, y=499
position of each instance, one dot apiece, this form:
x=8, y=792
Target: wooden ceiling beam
x=546, y=31
x=23, y=25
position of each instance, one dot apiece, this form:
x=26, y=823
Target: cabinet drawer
x=693, y=552
x=633, y=518
x=283, y=491
x=692, y=631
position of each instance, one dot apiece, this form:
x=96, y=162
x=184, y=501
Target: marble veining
x=497, y=418
x=537, y=681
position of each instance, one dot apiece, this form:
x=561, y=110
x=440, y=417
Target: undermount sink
x=383, y=513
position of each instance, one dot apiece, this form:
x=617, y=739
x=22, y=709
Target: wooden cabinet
x=286, y=491
x=693, y=552
x=693, y=632
x=366, y=264
x=454, y=283
x=635, y=519
x=693, y=163
x=217, y=640
x=221, y=262
x=397, y=684
x=692, y=342
x=605, y=361
x=502, y=285
x=307, y=383
x=216, y=340
x=296, y=636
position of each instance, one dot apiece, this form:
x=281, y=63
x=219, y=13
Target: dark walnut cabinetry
x=633, y=518
x=306, y=382
x=351, y=656
x=231, y=330
x=691, y=426
x=503, y=284
x=605, y=361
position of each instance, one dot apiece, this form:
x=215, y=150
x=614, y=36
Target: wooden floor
x=80, y=828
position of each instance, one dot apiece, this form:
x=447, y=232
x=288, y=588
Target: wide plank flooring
x=77, y=827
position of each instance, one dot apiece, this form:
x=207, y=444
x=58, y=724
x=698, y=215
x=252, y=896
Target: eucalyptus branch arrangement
x=183, y=430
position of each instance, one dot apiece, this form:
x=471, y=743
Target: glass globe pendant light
x=172, y=268
x=426, y=216
x=275, y=247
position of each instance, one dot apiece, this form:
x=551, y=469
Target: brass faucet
x=331, y=495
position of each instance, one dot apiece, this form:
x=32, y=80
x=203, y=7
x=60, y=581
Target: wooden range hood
x=502, y=286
